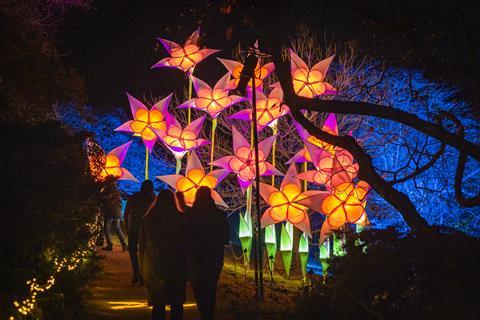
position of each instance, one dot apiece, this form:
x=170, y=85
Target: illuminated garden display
x=320, y=179
x=344, y=151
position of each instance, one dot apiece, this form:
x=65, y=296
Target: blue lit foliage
x=102, y=126
x=397, y=149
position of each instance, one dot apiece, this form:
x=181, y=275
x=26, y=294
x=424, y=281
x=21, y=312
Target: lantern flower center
x=184, y=139
x=186, y=58
x=308, y=83
x=213, y=101
x=112, y=166
x=284, y=204
x=260, y=73
x=347, y=204
x=243, y=163
x=145, y=120
x=194, y=179
x=268, y=111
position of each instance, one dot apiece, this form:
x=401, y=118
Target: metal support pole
x=259, y=235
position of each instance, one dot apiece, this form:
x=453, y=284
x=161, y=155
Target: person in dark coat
x=162, y=256
x=111, y=207
x=137, y=206
x=181, y=205
x=209, y=232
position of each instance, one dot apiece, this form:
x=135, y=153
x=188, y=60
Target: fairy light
x=27, y=305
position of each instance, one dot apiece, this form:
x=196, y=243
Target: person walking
x=209, y=231
x=111, y=207
x=137, y=206
x=162, y=256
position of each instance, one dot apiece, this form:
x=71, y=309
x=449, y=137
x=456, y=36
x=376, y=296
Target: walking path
x=114, y=298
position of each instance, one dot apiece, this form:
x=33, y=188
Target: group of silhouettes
x=171, y=243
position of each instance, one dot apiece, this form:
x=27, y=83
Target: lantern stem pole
x=212, y=150
x=258, y=234
x=274, y=149
x=146, y=162
x=189, y=110
x=179, y=165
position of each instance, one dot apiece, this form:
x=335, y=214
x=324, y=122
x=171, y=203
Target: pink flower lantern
x=309, y=82
x=242, y=163
x=182, y=140
x=145, y=120
x=213, y=101
x=113, y=164
x=269, y=110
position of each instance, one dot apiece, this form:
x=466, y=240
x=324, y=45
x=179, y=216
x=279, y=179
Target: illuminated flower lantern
x=213, y=101
x=346, y=204
x=331, y=170
x=113, y=163
x=289, y=203
x=184, y=58
x=260, y=72
x=309, y=82
x=145, y=120
x=181, y=141
x=303, y=155
x=242, y=163
x=269, y=110
x=194, y=178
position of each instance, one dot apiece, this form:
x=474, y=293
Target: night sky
x=113, y=44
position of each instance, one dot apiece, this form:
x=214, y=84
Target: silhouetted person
x=181, y=205
x=162, y=256
x=207, y=227
x=137, y=206
x=111, y=206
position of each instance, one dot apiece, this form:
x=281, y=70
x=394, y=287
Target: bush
x=48, y=199
x=434, y=276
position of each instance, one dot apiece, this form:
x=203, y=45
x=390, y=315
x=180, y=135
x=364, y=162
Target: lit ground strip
x=122, y=305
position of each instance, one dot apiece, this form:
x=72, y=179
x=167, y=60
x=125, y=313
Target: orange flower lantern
x=146, y=120
x=309, y=82
x=289, y=203
x=213, y=101
x=269, y=110
x=346, y=204
x=113, y=164
x=194, y=178
x=184, y=58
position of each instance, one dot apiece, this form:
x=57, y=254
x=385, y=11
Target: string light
x=27, y=305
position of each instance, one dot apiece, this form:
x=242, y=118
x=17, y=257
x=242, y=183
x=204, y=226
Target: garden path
x=114, y=298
